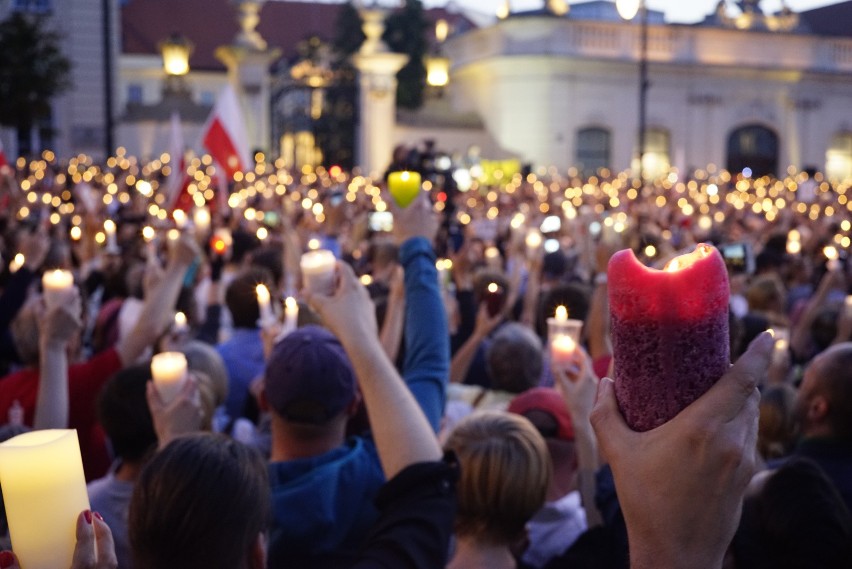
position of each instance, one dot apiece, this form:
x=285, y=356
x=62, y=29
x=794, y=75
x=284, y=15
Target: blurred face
x=807, y=391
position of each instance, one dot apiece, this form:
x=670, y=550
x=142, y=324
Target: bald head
x=825, y=397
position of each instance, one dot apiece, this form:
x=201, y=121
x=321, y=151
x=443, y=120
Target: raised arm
x=427, y=346
x=391, y=334
x=401, y=431
x=58, y=326
x=159, y=302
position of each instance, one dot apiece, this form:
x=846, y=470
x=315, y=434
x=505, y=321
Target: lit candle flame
x=493, y=288
x=561, y=314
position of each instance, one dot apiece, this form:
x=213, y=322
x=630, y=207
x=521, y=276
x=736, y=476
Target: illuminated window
x=657, y=160
x=838, y=157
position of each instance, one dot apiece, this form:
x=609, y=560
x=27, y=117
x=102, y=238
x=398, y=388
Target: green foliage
x=406, y=33
x=33, y=70
x=348, y=35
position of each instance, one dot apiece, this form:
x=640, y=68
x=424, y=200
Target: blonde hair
x=505, y=473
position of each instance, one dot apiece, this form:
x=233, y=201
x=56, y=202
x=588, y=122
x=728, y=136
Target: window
x=657, y=160
x=134, y=94
x=838, y=157
x=755, y=147
x=592, y=149
x=36, y=6
x=207, y=98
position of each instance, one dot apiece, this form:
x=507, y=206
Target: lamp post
x=628, y=9
x=437, y=64
x=175, y=51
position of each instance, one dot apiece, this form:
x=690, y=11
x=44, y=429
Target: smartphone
x=381, y=221
x=738, y=258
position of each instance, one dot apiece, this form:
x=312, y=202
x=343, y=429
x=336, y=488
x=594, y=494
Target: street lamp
x=437, y=64
x=175, y=51
x=628, y=9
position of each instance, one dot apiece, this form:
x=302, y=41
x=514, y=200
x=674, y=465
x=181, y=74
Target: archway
x=755, y=147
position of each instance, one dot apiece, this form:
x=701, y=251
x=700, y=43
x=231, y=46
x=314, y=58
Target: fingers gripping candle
x=669, y=333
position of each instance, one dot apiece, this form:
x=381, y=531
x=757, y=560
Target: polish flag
x=178, y=182
x=224, y=136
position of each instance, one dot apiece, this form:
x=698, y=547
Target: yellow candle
x=57, y=285
x=267, y=318
x=169, y=372
x=44, y=491
x=318, y=271
x=404, y=187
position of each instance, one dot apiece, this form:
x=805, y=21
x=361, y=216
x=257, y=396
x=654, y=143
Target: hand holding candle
x=669, y=333
x=404, y=187
x=169, y=371
x=44, y=491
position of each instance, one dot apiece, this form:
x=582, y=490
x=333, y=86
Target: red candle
x=494, y=298
x=669, y=332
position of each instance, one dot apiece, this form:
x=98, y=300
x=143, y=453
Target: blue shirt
x=243, y=356
x=323, y=506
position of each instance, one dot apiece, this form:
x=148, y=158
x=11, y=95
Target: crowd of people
x=412, y=415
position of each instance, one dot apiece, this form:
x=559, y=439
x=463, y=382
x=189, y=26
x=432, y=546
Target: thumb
x=728, y=395
x=84, y=552
x=612, y=432
x=105, y=544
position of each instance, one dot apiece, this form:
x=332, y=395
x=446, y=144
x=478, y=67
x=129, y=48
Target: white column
x=377, y=67
x=248, y=74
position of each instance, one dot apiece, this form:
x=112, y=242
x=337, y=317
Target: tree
x=33, y=71
x=406, y=33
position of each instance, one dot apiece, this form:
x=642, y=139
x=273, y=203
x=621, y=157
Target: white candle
x=180, y=218
x=201, y=219
x=318, y=271
x=830, y=253
x=291, y=314
x=58, y=286
x=181, y=326
x=169, y=372
x=533, y=241
x=562, y=349
x=44, y=491
x=109, y=230
x=267, y=318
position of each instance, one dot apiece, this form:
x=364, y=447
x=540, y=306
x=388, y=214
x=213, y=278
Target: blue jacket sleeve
x=426, y=368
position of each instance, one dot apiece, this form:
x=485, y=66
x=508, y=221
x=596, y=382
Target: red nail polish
x=99, y=516
x=88, y=515
x=6, y=559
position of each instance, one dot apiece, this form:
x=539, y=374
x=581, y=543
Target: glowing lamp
x=176, y=51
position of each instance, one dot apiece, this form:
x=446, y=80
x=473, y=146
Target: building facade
x=563, y=91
